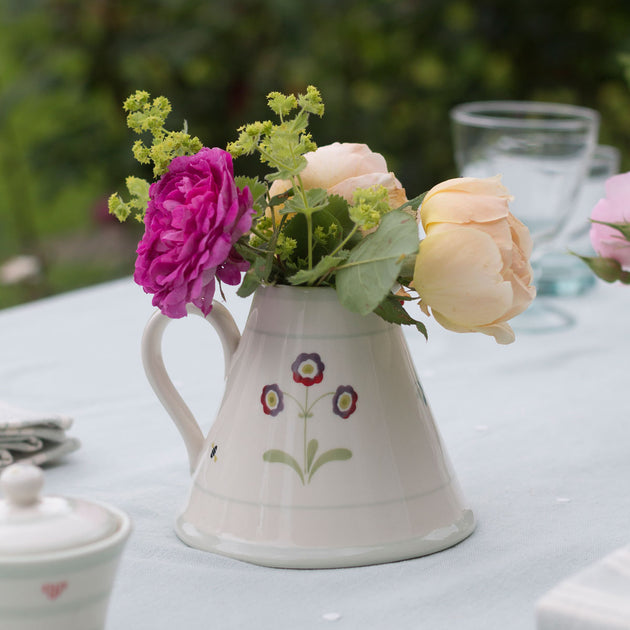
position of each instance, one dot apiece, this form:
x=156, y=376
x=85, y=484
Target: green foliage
x=370, y=272
x=320, y=239
x=622, y=228
x=369, y=206
x=607, y=269
x=389, y=71
x=139, y=191
x=392, y=310
x=283, y=145
x=145, y=115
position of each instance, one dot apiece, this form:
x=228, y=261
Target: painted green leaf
x=371, y=270
x=334, y=455
x=276, y=456
x=310, y=453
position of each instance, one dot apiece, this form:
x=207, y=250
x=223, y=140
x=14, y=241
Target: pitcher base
x=292, y=557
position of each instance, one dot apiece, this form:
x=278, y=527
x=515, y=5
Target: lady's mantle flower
x=344, y=401
x=308, y=369
x=195, y=215
x=272, y=400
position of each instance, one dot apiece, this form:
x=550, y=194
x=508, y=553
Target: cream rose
x=341, y=168
x=473, y=267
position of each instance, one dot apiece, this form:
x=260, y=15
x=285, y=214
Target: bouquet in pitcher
x=329, y=216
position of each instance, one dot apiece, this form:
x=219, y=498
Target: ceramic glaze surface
x=59, y=556
x=324, y=452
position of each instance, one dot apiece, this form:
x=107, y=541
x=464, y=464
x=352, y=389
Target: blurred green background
x=389, y=71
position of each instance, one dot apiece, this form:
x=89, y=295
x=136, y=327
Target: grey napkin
x=33, y=437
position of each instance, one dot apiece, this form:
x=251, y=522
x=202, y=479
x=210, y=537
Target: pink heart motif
x=53, y=590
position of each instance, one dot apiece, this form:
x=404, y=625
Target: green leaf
x=370, y=272
x=256, y=187
x=311, y=101
x=335, y=212
x=138, y=188
x=315, y=200
x=321, y=269
x=299, y=123
x=281, y=104
x=276, y=456
x=414, y=203
x=391, y=310
x=118, y=207
x=334, y=455
x=254, y=277
x=310, y=453
x=624, y=228
x=281, y=198
x=405, y=276
x=608, y=269
x=286, y=172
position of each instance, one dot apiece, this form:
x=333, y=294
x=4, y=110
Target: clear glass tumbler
x=542, y=151
x=564, y=275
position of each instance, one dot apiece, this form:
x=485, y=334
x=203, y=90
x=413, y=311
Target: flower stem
x=309, y=237
x=353, y=231
x=299, y=404
x=308, y=409
x=305, y=436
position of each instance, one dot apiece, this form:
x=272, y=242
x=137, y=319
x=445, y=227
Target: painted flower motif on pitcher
x=308, y=370
x=272, y=400
x=344, y=401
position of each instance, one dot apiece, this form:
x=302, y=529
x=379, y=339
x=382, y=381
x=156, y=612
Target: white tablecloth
x=538, y=433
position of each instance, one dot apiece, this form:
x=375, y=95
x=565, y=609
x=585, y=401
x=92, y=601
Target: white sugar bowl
x=58, y=556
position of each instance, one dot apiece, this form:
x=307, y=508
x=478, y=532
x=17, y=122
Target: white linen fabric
x=538, y=433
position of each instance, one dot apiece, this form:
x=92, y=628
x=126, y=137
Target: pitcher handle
x=153, y=362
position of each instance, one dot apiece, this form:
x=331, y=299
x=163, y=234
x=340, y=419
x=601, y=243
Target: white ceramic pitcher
x=324, y=452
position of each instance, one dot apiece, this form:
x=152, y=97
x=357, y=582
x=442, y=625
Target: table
x=538, y=433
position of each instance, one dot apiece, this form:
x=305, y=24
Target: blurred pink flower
x=613, y=208
x=194, y=216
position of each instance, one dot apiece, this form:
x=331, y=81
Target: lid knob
x=21, y=484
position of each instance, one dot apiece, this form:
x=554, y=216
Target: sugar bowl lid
x=31, y=524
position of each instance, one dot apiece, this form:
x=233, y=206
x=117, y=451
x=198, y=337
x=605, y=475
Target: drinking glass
x=542, y=151
x=565, y=275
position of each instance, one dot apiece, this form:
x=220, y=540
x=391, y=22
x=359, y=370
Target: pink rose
x=614, y=208
x=195, y=215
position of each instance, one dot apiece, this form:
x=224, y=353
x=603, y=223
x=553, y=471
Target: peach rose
x=473, y=266
x=341, y=168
